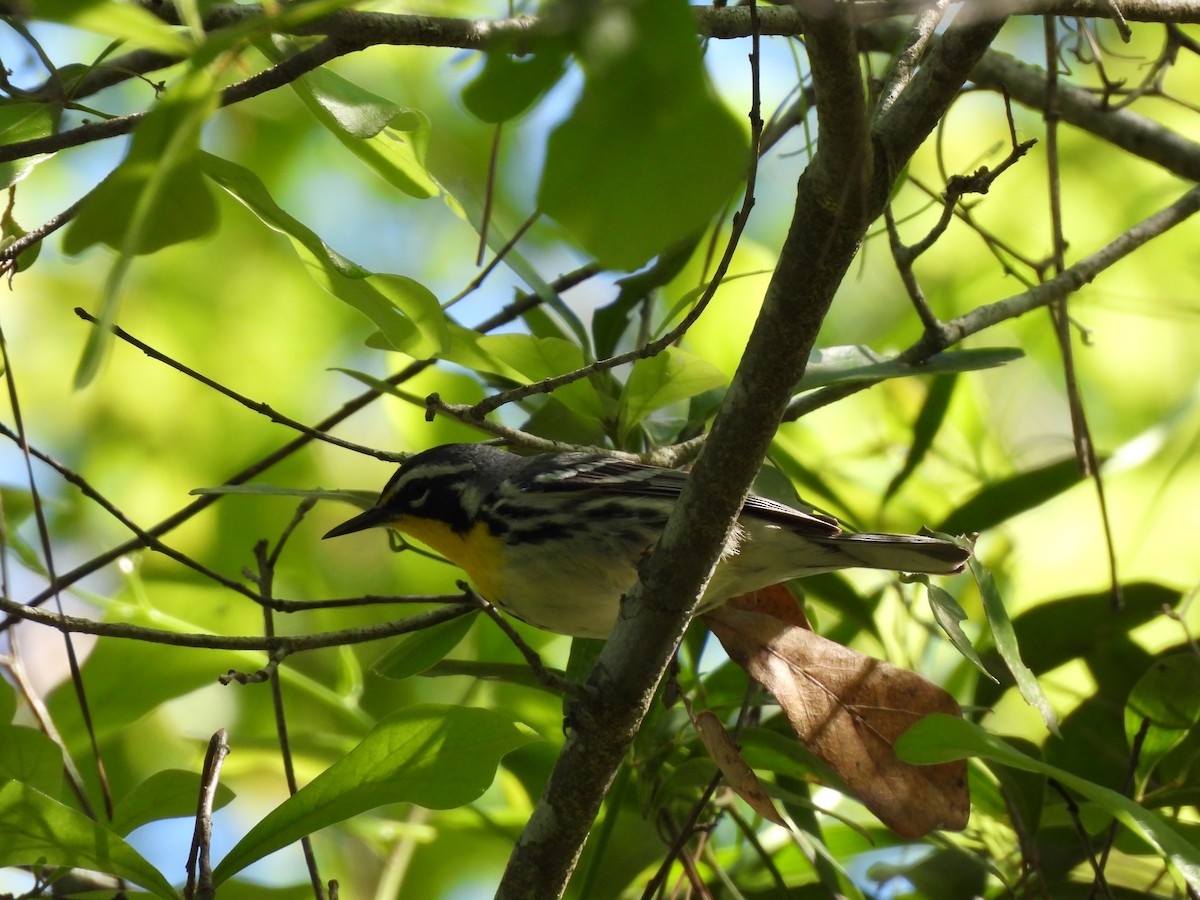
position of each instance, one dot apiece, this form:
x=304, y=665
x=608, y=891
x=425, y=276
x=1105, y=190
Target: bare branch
x=1120, y=127
x=283, y=644
x=200, y=881
x=900, y=129
x=502, y=317
x=983, y=317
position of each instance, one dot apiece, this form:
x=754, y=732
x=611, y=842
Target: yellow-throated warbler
x=556, y=539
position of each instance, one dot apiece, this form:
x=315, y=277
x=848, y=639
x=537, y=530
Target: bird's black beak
x=372, y=518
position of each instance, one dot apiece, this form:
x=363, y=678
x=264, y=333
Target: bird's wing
x=633, y=479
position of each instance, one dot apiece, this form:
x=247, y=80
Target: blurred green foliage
x=330, y=180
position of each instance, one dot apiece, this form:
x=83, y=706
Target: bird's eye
x=417, y=501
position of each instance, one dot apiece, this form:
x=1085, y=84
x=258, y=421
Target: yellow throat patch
x=477, y=552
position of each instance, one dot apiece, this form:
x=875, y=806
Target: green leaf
x=8, y=701
x=154, y=198
x=508, y=85
x=1167, y=699
x=925, y=429
x=856, y=363
x=609, y=322
x=405, y=311
x=10, y=232
x=1000, y=500
x=526, y=359
x=24, y=122
x=28, y=756
x=661, y=380
x=648, y=155
x=35, y=828
x=499, y=241
x=1061, y=629
x=1006, y=643
x=940, y=738
x=508, y=673
x=122, y=21
x=390, y=139
x=419, y=651
x=948, y=613
x=1024, y=792
x=169, y=794
x=438, y=757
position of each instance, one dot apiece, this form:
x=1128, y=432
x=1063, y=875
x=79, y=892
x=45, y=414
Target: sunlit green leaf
x=1062, y=629
x=35, y=828
x=507, y=84
x=1165, y=702
x=1006, y=642
x=391, y=140
x=154, y=198
x=939, y=738
x=123, y=21
x=925, y=429
x=661, y=380
x=438, y=757
x=24, y=122
x=508, y=673
x=28, y=756
x=948, y=613
x=856, y=363
x=1001, y=499
x=10, y=232
x=406, y=312
x=671, y=156
x=167, y=794
x=526, y=359
x=414, y=653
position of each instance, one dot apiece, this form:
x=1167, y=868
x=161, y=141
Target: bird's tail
x=899, y=552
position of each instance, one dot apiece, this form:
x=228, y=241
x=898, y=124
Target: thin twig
x=199, y=867
x=261, y=408
x=148, y=540
x=347, y=409
x=1135, y=754
x=489, y=196
x=653, y=348
x=487, y=270
x=466, y=414
x=1081, y=832
x=680, y=839
x=266, y=580
x=281, y=644
x=957, y=187
x=20, y=677
x=1085, y=448
x=546, y=677
x=8, y=256
x=983, y=317
x=43, y=529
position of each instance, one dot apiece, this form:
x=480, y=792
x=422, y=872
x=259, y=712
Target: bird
x=555, y=539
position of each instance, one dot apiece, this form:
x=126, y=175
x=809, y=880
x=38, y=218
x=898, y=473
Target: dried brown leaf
x=849, y=709
x=775, y=601
x=738, y=774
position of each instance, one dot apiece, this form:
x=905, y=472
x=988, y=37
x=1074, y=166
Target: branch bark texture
x=840, y=193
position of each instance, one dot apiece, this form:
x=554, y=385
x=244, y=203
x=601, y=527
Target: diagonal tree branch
x=947, y=334
x=838, y=197
x=899, y=130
